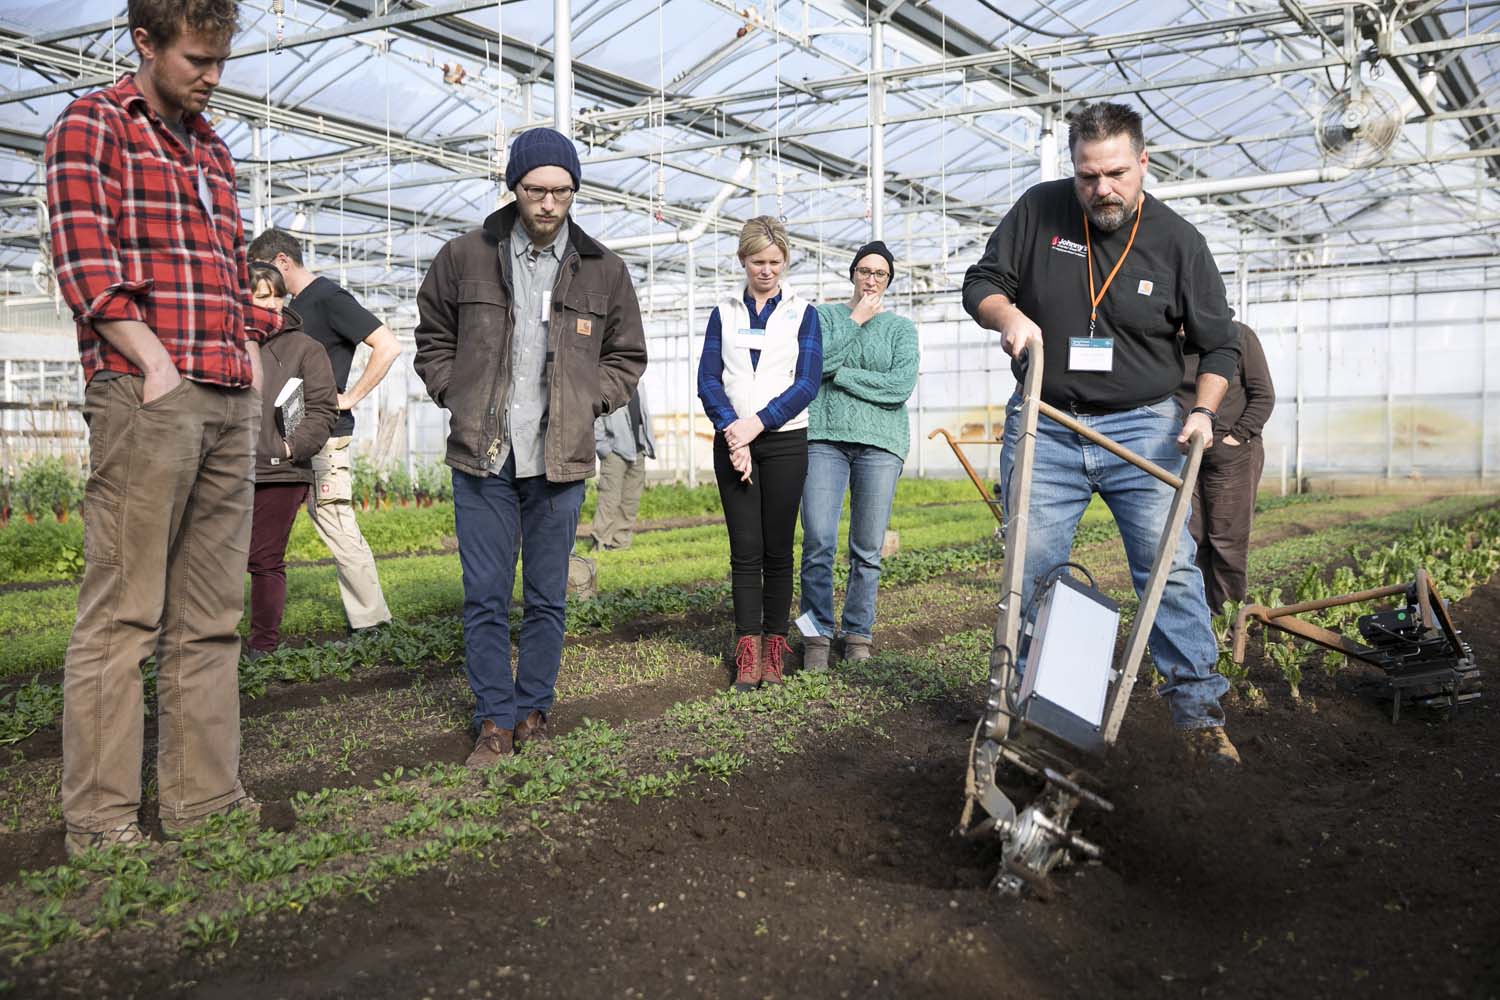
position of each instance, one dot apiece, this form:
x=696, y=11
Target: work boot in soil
x=79, y=842
x=493, y=743
x=747, y=663
x=856, y=648
x=533, y=727
x=1212, y=745
x=815, y=653
x=774, y=651
x=172, y=829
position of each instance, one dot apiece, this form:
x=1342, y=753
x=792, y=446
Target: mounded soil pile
x=1348, y=857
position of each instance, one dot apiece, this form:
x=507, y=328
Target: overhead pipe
x=687, y=234
x=1256, y=182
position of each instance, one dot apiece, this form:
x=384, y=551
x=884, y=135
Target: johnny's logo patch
x=1069, y=247
x=1145, y=287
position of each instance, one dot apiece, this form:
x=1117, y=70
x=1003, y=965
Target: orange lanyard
x=1088, y=261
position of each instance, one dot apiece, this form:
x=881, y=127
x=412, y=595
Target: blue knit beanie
x=541, y=147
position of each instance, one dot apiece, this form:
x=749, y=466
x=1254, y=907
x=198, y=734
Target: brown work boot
x=533, y=727
x=747, y=663
x=493, y=743
x=774, y=652
x=856, y=648
x=173, y=829
x=1211, y=744
x=80, y=842
x=815, y=653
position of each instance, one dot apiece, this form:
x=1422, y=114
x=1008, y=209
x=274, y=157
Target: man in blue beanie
x=526, y=333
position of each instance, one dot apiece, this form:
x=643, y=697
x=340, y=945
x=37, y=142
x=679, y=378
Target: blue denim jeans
x=870, y=475
x=497, y=517
x=1066, y=472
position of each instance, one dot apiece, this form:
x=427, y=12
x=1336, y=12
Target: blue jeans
x=497, y=516
x=1066, y=472
x=870, y=475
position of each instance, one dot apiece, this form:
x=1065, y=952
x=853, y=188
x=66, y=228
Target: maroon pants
x=276, y=506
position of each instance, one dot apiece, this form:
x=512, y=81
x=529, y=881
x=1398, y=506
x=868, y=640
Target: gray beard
x=1108, y=218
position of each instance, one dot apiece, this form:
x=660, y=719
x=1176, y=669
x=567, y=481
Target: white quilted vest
x=751, y=387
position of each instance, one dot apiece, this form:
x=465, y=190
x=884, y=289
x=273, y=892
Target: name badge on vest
x=750, y=340
x=1091, y=354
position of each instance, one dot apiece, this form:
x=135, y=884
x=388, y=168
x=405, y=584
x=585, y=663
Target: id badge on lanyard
x=1091, y=353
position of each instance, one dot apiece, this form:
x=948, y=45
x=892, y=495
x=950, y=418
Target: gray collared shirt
x=533, y=276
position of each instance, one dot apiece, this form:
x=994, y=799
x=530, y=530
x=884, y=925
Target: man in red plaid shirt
x=147, y=245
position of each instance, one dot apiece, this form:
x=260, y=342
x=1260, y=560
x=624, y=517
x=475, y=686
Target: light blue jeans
x=870, y=475
x=1066, y=472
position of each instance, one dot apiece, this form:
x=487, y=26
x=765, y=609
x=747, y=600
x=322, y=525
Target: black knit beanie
x=876, y=247
x=541, y=147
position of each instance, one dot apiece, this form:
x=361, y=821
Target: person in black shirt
x=332, y=317
x=1105, y=276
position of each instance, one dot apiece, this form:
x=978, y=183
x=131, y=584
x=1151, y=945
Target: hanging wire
x=776, y=137
x=390, y=236
x=661, y=135
x=874, y=121
x=278, y=7
x=343, y=247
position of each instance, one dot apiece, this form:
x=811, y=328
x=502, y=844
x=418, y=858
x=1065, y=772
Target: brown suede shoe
x=493, y=743
x=533, y=727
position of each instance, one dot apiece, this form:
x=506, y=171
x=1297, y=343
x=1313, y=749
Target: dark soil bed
x=1348, y=857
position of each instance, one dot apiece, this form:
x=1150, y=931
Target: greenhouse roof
x=1296, y=135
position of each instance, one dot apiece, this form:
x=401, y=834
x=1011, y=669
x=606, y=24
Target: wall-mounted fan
x=1358, y=126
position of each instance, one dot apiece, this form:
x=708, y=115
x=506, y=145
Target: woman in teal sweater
x=857, y=435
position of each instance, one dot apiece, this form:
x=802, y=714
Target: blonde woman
x=761, y=366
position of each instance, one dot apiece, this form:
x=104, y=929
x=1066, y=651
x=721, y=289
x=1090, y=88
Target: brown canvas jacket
x=286, y=355
x=596, y=347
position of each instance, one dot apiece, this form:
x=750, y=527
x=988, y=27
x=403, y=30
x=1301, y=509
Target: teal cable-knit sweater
x=869, y=373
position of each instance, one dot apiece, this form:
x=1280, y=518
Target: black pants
x=1223, y=507
x=762, y=519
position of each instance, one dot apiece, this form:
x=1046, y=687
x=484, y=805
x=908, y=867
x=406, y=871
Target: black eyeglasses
x=865, y=272
x=561, y=195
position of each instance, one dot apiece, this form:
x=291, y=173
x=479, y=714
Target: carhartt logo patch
x=586, y=327
x=1144, y=288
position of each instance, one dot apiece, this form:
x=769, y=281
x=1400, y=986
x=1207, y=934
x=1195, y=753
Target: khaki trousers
x=620, y=484
x=166, y=537
x=330, y=505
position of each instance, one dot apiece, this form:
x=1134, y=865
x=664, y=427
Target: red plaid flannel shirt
x=132, y=241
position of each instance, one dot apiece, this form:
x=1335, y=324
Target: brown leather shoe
x=493, y=743
x=533, y=727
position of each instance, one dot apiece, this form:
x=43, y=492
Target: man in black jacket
x=1104, y=276
x=528, y=329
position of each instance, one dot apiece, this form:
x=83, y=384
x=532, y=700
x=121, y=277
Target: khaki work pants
x=166, y=537
x=620, y=484
x=330, y=505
